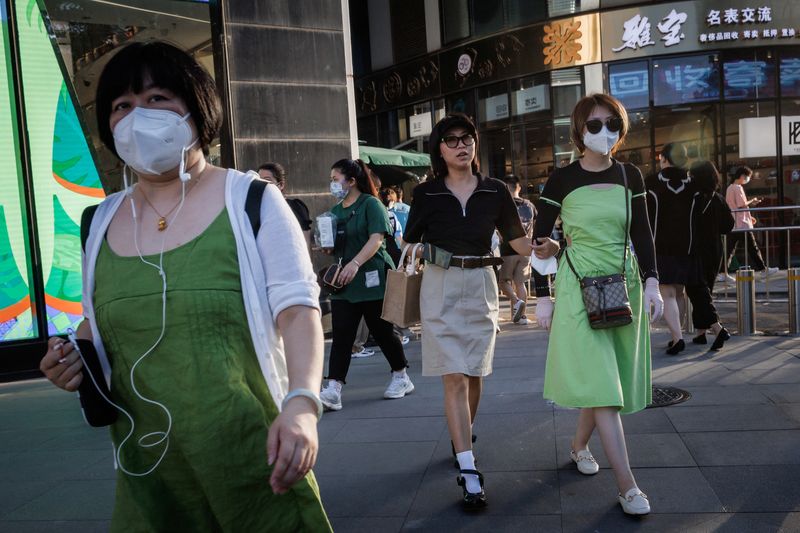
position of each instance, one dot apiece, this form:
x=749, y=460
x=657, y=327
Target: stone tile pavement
x=726, y=460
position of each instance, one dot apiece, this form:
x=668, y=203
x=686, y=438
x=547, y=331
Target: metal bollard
x=793, y=279
x=746, y=301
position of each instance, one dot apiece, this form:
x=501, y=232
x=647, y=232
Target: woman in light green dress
x=604, y=372
x=207, y=329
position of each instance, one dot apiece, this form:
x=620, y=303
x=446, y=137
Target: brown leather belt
x=475, y=262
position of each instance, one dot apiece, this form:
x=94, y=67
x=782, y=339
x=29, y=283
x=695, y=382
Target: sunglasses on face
x=452, y=140
x=613, y=124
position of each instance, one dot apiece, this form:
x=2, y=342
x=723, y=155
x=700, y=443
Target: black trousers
x=752, y=249
x=703, y=311
x=345, y=317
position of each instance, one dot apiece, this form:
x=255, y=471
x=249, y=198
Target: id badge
x=372, y=279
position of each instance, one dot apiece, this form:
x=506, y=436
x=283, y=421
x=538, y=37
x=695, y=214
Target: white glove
x=544, y=311
x=653, y=302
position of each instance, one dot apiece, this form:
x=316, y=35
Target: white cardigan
x=276, y=272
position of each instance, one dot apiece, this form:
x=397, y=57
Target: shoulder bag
x=606, y=297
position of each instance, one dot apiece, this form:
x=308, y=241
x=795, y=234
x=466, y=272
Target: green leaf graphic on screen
x=32, y=4
x=63, y=288
x=73, y=166
x=13, y=290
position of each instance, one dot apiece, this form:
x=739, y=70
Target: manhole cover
x=664, y=396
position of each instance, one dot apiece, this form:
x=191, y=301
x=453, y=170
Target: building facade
x=282, y=68
x=721, y=76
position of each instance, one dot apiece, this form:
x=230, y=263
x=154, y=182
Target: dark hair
x=167, y=67
x=356, y=169
x=675, y=154
x=511, y=178
x=277, y=171
x=453, y=120
x=705, y=176
x=742, y=171
x=398, y=190
x=384, y=195
x=583, y=109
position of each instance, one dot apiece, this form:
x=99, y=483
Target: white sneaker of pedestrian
x=399, y=386
x=519, y=310
x=365, y=352
x=404, y=340
x=523, y=321
x=634, y=502
x=585, y=461
x=769, y=271
x=331, y=396
x=722, y=277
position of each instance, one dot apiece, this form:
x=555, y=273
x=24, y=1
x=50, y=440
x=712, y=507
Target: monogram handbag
x=606, y=297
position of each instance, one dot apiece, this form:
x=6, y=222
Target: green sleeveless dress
x=589, y=367
x=214, y=476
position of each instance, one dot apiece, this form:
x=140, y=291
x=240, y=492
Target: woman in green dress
x=207, y=330
x=604, y=372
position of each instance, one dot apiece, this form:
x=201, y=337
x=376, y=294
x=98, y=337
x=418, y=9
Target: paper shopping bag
x=401, y=300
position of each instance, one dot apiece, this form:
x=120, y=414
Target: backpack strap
x=86, y=224
x=252, y=205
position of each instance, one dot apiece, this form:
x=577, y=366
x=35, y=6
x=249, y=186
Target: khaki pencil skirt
x=459, y=308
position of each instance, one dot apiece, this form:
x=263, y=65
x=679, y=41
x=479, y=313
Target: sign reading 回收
x=692, y=26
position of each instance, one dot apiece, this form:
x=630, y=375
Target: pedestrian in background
x=713, y=218
x=516, y=269
x=215, y=371
x=737, y=199
x=363, y=225
x=455, y=214
x=671, y=201
x=275, y=173
x=604, y=372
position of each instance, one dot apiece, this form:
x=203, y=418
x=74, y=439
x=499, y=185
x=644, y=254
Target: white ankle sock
x=466, y=461
x=399, y=373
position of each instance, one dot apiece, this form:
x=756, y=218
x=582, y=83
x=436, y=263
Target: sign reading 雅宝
x=420, y=124
x=790, y=133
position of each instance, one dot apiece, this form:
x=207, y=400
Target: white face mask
x=601, y=142
x=153, y=141
x=747, y=180
x=338, y=191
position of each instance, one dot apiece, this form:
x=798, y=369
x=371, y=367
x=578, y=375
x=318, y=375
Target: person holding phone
x=208, y=333
x=603, y=372
x=362, y=229
x=455, y=214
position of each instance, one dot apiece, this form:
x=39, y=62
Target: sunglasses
x=452, y=140
x=613, y=124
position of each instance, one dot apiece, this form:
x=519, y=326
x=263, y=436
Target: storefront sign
x=790, y=134
x=691, y=26
x=496, y=107
x=420, y=124
x=532, y=99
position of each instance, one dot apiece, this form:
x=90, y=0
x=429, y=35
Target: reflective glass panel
x=629, y=83
x=686, y=79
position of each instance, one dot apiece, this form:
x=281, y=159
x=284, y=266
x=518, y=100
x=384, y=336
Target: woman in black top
x=671, y=201
x=713, y=218
x=455, y=214
x=604, y=372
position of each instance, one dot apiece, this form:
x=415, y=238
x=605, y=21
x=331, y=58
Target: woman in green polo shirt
x=362, y=225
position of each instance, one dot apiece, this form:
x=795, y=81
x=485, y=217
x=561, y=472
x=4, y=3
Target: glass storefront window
x=521, y=12
x=487, y=17
x=461, y=103
x=530, y=97
x=682, y=80
x=790, y=73
x=636, y=149
x=630, y=84
x=493, y=104
x=388, y=135
x=367, y=130
x=564, y=148
x=760, y=158
x=696, y=126
x=439, y=110
x=533, y=156
x=749, y=75
x=419, y=120
x=567, y=86
x=455, y=20
x=791, y=174
x=495, y=153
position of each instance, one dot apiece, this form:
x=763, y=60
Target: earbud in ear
x=182, y=174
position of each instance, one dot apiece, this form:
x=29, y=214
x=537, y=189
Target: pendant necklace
x=162, y=219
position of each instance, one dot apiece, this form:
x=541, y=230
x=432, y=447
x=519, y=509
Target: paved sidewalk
x=726, y=460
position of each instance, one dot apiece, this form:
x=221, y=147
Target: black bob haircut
x=165, y=66
x=453, y=120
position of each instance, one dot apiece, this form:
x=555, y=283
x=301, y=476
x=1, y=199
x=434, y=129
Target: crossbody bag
x=606, y=297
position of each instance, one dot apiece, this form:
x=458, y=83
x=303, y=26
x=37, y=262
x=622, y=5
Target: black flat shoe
x=453, y=449
x=700, y=339
x=473, y=501
x=723, y=336
x=676, y=348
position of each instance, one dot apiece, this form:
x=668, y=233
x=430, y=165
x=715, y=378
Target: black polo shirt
x=437, y=218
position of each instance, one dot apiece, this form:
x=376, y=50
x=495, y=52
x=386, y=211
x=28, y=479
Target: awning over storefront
x=394, y=167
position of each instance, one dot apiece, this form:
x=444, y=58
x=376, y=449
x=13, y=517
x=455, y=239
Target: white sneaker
x=585, y=461
x=722, y=277
x=523, y=321
x=519, y=310
x=404, y=340
x=365, y=352
x=331, y=396
x=399, y=386
x=769, y=271
x=634, y=502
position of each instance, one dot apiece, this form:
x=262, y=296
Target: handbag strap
x=627, y=227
